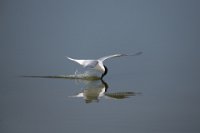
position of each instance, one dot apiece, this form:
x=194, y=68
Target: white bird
x=98, y=64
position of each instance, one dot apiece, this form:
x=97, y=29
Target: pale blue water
x=159, y=89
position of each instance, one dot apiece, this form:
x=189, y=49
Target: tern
x=94, y=91
x=98, y=64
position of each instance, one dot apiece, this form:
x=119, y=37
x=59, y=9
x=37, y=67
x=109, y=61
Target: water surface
x=157, y=91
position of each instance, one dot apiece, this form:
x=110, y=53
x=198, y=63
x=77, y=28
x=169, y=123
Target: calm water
x=157, y=91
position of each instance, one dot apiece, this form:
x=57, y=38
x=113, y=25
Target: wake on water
x=87, y=75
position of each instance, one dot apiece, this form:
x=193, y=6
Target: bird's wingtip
x=67, y=57
x=137, y=53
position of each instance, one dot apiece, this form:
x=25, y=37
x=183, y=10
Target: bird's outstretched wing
x=118, y=55
x=85, y=63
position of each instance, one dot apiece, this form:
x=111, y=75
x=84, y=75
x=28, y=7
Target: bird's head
x=105, y=72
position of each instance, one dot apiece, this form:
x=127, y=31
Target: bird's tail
x=76, y=60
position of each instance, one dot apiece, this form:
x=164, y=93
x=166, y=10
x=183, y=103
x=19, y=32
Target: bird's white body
x=98, y=64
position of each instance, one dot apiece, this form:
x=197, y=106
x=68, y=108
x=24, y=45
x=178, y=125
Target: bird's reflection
x=95, y=90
